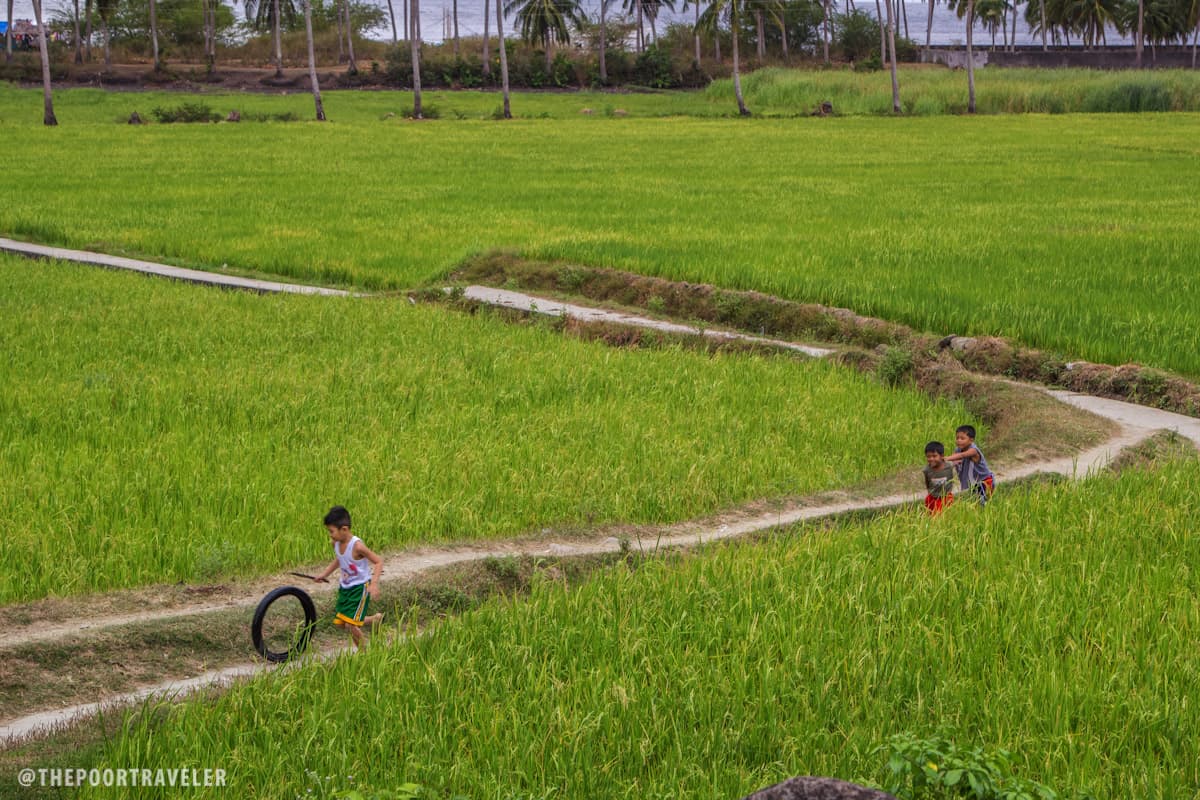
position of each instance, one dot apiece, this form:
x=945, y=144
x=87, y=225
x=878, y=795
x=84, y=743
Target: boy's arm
x=362, y=551
x=971, y=452
x=928, y=482
x=333, y=565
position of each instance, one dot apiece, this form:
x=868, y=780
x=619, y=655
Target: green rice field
x=157, y=432
x=1075, y=233
x=1059, y=625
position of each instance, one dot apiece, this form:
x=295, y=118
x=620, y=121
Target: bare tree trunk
x=904, y=15
x=761, y=43
x=891, y=28
x=337, y=17
x=407, y=23
x=696, y=31
x=603, y=42
x=48, y=117
x=548, y=60
x=312, y=62
x=503, y=58
x=87, y=32
x=8, y=34
x=783, y=32
x=154, y=34
x=392, y=14
x=883, y=50
x=641, y=29
x=353, y=70
x=970, y=57
x=416, y=58
x=1141, y=31
x=107, y=43
x=487, y=55
x=825, y=32
x=455, y=12
x=1195, y=40
x=1012, y=40
x=717, y=42
x=929, y=28
x=737, y=78
x=78, y=36
x=277, y=25
x=1045, y=47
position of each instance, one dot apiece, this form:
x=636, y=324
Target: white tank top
x=355, y=571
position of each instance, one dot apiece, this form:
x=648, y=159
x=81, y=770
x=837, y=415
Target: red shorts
x=936, y=504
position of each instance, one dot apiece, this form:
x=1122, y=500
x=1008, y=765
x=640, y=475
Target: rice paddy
x=1059, y=625
x=1074, y=233
x=158, y=432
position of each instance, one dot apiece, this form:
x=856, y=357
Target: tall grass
x=933, y=91
x=1060, y=625
x=158, y=432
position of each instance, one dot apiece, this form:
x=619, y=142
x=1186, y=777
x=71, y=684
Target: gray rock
x=961, y=343
x=810, y=788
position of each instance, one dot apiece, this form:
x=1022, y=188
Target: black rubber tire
x=260, y=614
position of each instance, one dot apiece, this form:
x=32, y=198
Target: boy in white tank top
x=360, y=573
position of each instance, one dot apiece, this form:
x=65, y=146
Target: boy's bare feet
x=373, y=620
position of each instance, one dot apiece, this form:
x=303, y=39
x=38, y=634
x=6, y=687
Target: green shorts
x=352, y=605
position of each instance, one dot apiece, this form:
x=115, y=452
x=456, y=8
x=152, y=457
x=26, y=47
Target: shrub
x=187, y=112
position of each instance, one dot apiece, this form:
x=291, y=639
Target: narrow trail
x=1135, y=423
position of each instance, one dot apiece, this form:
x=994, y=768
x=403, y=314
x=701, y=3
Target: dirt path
x=1135, y=423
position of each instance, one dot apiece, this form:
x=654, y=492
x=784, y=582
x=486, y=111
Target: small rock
x=620, y=112
x=135, y=119
x=234, y=116
x=586, y=111
x=946, y=342
x=824, y=110
x=960, y=343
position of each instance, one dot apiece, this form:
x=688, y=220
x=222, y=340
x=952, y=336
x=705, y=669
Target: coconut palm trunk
x=1141, y=31
x=1042, y=9
x=970, y=57
x=78, y=35
x=87, y=32
x=154, y=35
x=416, y=58
x=48, y=117
x=883, y=49
x=353, y=69
x=276, y=25
x=929, y=29
x=603, y=41
x=904, y=15
x=8, y=34
x=1012, y=41
x=825, y=33
x=696, y=31
x=1195, y=41
x=312, y=62
x=641, y=28
x=761, y=35
x=107, y=42
x=783, y=37
x=891, y=29
x=487, y=55
x=737, y=78
x=454, y=11
x=503, y=58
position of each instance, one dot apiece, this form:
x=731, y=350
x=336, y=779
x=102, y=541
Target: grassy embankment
x=1059, y=624
x=1076, y=234
x=158, y=432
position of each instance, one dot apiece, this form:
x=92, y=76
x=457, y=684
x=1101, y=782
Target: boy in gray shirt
x=939, y=478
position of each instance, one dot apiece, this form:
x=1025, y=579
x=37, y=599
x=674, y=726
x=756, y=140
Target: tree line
x=551, y=23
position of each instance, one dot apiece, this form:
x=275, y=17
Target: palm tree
x=695, y=4
x=353, y=68
x=416, y=57
x=991, y=15
x=970, y=57
x=711, y=20
x=8, y=34
x=891, y=28
x=604, y=42
x=546, y=21
x=1141, y=31
x=78, y=35
x=262, y=15
x=312, y=62
x=105, y=10
x=154, y=34
x=487, y=56
x=48, y=117
x=503, y=58
x=929, y=28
